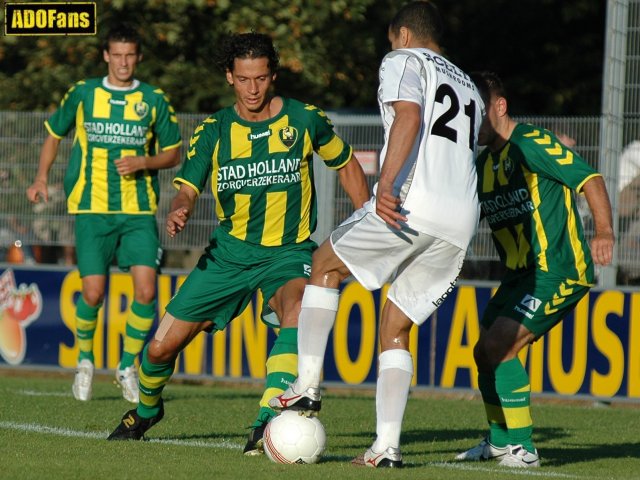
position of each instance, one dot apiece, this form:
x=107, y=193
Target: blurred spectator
x=54, y=226
x=629, y=215
x=12, y=248
x=567, y=140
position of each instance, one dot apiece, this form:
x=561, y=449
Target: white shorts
x=422, y=269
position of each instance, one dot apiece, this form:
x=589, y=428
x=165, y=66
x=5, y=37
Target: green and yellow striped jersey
x=526, y=194
x=262, y=172
x=110, y=124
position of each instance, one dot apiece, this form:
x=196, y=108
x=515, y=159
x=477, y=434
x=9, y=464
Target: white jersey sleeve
x=400, y=80
x=437, y=184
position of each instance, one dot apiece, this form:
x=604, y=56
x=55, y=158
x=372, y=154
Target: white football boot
x=128, y=381
x=308, y=401
x=483, y=451
x=82, y=383
x=520, y=457
x=390, y=458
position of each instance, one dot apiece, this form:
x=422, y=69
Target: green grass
x=45, y=433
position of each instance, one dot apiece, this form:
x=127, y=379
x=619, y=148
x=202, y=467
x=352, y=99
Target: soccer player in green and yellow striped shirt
x=125, y=131
x=526, y=182
x=258, y=157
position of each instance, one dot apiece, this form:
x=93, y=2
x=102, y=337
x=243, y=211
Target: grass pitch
x=45, y=433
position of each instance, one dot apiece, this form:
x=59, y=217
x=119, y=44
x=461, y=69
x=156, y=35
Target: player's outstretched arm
x=181, y=208
x=595, y=191
x=354, y=182
x=131, y=164
x=38, y=189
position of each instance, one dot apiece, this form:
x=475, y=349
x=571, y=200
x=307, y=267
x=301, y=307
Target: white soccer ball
x=292, y=437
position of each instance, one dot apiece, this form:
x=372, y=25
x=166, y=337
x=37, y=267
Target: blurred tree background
x=548, y=52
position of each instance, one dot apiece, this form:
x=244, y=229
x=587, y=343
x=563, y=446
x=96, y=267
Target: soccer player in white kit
x=415, y=230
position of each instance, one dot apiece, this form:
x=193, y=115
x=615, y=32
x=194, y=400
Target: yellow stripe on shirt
x=81, y=137
x=129, y=109
x=275, y=144
x=240, y=143
x=101, y=105
x=332, y=149
x=532, y=182
x=240, y=217
x=99, y=184
x=275, y=213
x=304, y=227
x=128, y=189
x=576, y=245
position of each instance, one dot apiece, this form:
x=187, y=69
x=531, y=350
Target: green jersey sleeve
x=332, y=149
x=167, y=129
x=64, y=118
x=198, y=162
x=545, y=155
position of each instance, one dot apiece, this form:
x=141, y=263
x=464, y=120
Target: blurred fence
x=22, y=134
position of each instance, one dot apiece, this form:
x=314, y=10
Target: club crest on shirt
x=507, y=164
x=288, y=136
x=141, y=109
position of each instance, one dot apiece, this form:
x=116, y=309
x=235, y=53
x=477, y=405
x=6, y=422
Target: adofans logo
x=54, y=18
x=19, y=307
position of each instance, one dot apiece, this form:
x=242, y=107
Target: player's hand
x=38, y=191
x=387, y=206
x=602, y=248
x=177, y=220
x=130, y=164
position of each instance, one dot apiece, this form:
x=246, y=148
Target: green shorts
x=230, y=272
x=131, y=239
x=538, y=300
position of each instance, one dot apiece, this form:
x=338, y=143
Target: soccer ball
x=292, y=437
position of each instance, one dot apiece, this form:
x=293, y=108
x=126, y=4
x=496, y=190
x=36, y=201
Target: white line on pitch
x=65, y=432
x=35, y=393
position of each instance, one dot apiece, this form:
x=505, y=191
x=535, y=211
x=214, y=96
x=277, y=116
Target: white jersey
x=437, y=184
x=629, y=165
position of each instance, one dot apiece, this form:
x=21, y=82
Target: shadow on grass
x=541, y=435
x=200, y=436
x=438, y=441
x=555, y=457
x=212, y=395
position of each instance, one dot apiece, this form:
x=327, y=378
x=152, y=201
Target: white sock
x=392, y=391
x=318, y=314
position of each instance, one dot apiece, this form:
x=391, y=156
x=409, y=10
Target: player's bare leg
x=158, y=363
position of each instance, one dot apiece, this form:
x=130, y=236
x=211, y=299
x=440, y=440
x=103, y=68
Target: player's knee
x=479, y=355
x=325, y=279
x=394, y=335
x=327, y=269
x=145, y=294
x=495, y=351
x=290, y=319
x=160, y=352
x=93, y=296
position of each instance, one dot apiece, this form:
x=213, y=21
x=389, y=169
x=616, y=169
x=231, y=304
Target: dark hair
x=422, y=18
x=488, y=83
x=247, y=45
x=122, y=33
